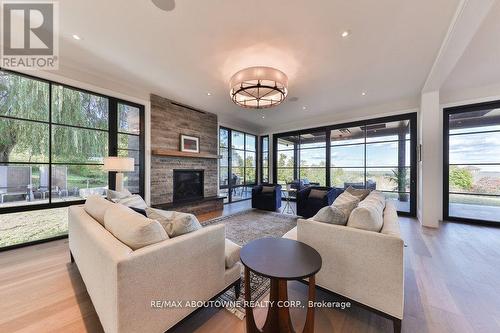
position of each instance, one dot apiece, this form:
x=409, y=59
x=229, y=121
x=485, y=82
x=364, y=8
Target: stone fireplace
x=168, y=121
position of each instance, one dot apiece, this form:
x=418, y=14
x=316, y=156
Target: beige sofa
x=123, y=284
x=364, y=266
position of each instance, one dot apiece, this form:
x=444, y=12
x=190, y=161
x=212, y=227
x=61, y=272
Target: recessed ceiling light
x=346, y=33
x=363, y=93
x=263, y=116
x=209, y=94
x=166, y=5
x=304, y=107
x=77, y=37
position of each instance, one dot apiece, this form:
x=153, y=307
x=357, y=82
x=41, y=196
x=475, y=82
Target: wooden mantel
x=176, y=153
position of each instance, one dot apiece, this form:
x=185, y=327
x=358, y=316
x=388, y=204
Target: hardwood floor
x=451, y=285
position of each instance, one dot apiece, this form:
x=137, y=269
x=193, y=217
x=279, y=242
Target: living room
x=186, y=166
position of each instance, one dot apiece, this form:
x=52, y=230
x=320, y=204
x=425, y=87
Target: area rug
x=242, y=228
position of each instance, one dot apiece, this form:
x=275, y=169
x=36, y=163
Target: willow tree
x=72, y=107
x=28, y=99
x=28, y=141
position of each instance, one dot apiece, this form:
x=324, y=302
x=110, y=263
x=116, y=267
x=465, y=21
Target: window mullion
x=50, y=143
x=112, y=137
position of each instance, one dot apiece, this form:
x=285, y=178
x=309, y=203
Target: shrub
x=461, y=178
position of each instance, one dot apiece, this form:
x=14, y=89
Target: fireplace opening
x=188, y=185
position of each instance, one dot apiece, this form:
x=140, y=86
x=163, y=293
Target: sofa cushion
x=110, y=194
x=131, y=228
x=369, y=215
x=134, y=200
x=391, y=222
x=231, y=253
x=317, y=194
x=174, y=223
x=332, y=214
x=346, y=202
x=96, y=206
x=268, y=189
x=359, y=193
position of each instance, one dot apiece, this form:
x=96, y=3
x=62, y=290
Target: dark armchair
x=308, y=206
x=266, y=197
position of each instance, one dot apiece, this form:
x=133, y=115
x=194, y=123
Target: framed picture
x=190, y=144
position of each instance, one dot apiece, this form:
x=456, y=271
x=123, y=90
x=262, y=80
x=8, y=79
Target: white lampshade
x=118, y=164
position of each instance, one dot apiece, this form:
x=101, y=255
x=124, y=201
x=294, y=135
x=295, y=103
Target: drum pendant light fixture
x=258, y=87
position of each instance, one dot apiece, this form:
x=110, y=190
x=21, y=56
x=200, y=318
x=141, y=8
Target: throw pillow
x=360, y=193
x=131, y=228
x=96, y=206
x=140, y=211
x=379, y=196
x=346, y=202
x=267, y=189
x=317, y=194
x=369, y=215
x=174, y=223
x=160, y=215
x=331, y=214
x=110, y=194
x=134, y=200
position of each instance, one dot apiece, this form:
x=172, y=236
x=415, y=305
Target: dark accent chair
x=266, y=200
x=308, y=207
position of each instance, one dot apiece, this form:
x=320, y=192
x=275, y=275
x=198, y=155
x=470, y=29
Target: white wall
x=430, y=184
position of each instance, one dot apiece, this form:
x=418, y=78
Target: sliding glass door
x=375, y=154
x=238, y=164
x=285, y=160
x=472, y=163
x=388, y=161
x=264, y=159
x=312, y=158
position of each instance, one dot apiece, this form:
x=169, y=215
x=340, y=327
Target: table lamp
x=119, y=165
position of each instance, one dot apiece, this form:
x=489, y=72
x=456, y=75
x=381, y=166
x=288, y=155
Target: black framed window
x=264, y=159
x=471, y=160
x=285, y=159
x=79, y=141
x=312, y=158
x=54, y=138
x=130, y=143
x=238, y=165
x=377, y=154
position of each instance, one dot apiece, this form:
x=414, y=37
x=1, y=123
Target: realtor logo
x=30, y=35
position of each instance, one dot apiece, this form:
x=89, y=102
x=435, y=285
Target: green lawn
x=17, y=228
x=474, y=200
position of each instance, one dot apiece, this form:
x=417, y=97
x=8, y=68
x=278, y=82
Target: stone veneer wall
x=168, y=122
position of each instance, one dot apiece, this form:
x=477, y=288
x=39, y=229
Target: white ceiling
x=479, y=64
x=194, y=49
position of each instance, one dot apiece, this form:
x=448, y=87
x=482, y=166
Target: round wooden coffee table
x=279, y=259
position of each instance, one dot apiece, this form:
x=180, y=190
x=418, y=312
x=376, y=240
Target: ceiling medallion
x=258, y=87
